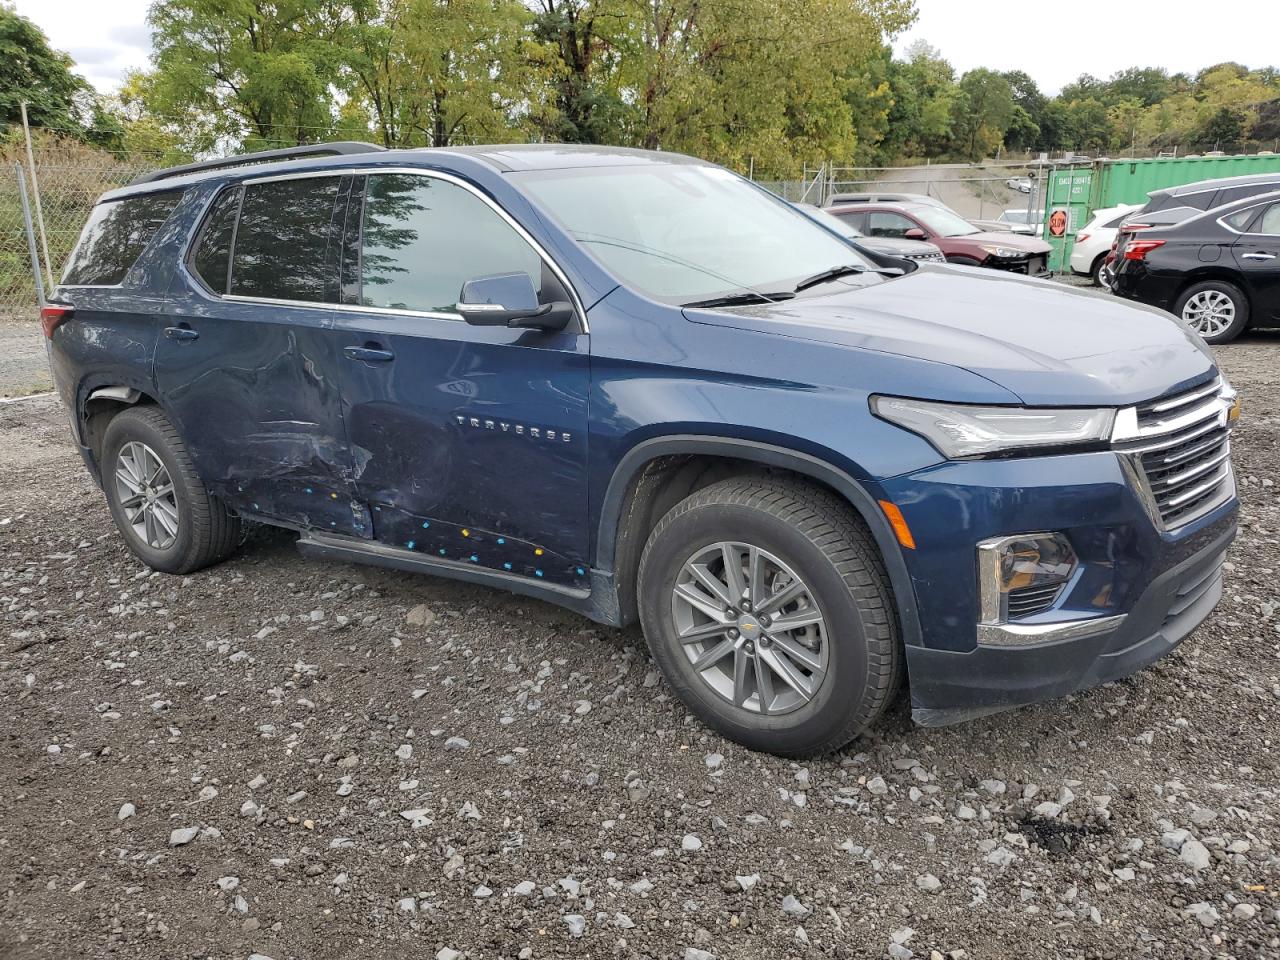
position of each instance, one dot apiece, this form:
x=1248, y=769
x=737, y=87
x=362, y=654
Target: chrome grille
x=1180, y=447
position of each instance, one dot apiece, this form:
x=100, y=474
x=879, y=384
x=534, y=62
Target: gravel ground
x=24, y=368
x=299, y=760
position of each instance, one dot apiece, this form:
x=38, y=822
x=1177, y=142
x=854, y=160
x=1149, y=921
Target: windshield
x=683, y=233
x=943, y=222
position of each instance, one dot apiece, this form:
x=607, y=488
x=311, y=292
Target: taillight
x=1138, y=249
x=1081, y=237
x=52, y=315
x=1134, y=227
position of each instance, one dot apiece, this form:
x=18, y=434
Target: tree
x=33, y=72
x=984, y=114
x=1147, y=85
x=263, y=74
x=438, y=72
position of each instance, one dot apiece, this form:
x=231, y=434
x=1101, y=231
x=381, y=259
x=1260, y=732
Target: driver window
x=882, y=224
x=423, y=238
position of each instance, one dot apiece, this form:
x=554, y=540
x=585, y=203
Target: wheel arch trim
x=634, y=461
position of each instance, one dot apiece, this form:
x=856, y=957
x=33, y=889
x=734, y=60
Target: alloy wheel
x=751, y=628
x=1209, y=312
x=146, y=494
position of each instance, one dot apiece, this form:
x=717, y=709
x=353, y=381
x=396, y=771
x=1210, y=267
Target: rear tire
x=1215, y=309
x=168, y=519
x=806, y=689
x=1096, y=273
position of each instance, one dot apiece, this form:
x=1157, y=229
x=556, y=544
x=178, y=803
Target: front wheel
x=1215, y=309
x=769, y=612
x=169, y=521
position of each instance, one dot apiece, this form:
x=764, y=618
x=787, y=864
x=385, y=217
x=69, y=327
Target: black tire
x=1239, y=301
x=961, y=261
x=207, y=531
x=830, y=549
x=1095, y=273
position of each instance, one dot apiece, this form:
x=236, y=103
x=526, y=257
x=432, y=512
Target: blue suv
x=637, y=385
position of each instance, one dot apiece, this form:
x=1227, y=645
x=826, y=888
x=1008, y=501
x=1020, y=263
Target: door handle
x=1257, y=256
x=181, y=332
x=369, y=354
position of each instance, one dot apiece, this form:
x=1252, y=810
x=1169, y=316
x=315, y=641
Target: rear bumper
x=948, y=686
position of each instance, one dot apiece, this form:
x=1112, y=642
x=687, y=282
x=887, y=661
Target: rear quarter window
x=115, y=236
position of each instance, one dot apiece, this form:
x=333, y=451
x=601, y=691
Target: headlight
x=1002, y=252
x=960, y=430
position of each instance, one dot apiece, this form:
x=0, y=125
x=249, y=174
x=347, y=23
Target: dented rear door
x=244, y=363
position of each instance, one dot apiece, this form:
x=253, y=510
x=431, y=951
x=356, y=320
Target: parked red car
x=958, y=239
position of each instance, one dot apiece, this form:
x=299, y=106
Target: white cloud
x=106, y=39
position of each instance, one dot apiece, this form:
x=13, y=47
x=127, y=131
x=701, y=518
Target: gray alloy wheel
x=146, y=495
x=750, y=627
x=1209, y=312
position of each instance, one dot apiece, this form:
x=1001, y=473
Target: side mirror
x=510, y=300
x=915, y=233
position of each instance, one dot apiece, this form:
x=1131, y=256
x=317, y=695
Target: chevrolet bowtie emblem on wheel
x=518, y=429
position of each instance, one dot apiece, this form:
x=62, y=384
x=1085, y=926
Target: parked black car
x=1177, y=204
x=1219, y=270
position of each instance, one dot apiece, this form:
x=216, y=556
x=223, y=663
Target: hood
x=895, y=247
x=1015, y=241
x=1048, y=343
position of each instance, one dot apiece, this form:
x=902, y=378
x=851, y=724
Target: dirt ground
x=298, y=760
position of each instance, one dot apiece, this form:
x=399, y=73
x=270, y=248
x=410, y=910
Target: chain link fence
x=71, y=177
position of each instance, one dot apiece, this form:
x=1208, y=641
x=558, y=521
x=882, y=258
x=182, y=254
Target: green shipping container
x=1078, y=191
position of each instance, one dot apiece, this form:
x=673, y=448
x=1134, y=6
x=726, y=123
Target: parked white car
x=1094, y=240
x=1021, y=220
x=1021, y=184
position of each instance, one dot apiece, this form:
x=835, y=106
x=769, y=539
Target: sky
x=1057, y=40
x=1052, y=40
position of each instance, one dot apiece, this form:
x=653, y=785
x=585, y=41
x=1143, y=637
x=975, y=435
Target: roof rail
x=337, y=149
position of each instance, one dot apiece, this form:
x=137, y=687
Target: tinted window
x=1115, y=221
x=1270, y=222
x=424, y=238
x=115, y=236
x=880, y=224
x=282, y=241
x=1198, y=201
x=1241, y=219
x=1232, y=194
x=211, y=259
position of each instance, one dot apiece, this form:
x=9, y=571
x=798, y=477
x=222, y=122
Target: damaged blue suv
x=639, y=386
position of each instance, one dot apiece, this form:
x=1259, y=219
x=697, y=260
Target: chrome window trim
x=1222, y=220
x=361, y=308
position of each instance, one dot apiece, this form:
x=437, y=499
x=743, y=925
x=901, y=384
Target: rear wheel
x=1215, y=309
x=768, y=610
x=168, y=519
x=1100, y=273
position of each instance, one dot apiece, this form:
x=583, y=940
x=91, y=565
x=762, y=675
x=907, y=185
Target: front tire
x=1215, y=309
x=168, y=520
x=768, y=609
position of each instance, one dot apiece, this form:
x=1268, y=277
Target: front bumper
x=948, y=686
x=1137, y=592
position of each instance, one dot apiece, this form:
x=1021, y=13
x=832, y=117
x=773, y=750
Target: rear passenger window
x=1241, y=219
x=115, y=236
x=211, y=259
x=1270, y=222
x=282, y=241
x=1232, y=194
x=423, y=238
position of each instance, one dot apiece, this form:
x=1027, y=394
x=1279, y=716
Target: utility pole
x=35, y=189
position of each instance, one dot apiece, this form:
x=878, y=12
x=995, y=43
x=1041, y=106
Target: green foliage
x=33, y=72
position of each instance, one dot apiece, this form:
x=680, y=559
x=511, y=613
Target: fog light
x=1022, y=575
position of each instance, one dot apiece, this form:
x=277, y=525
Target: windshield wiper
x=745, y=298
x=847, y=269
